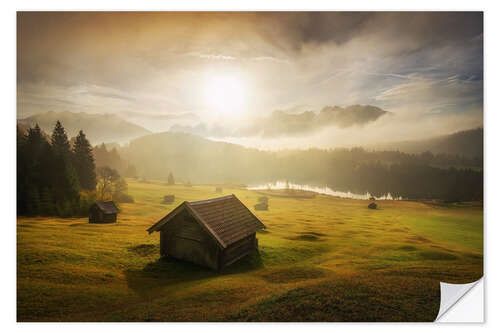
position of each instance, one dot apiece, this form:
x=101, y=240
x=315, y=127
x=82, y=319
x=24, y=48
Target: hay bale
x=168, y=199
x=372, y=205
x=218, y=190
x=263, y=199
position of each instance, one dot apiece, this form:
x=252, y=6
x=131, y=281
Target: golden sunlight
x=225, y=94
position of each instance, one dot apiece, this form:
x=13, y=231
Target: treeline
x=415, y=176
x=55, y=178
x=412, y=176
x=412, y=181
x=50, y=176
x=361, y=155
x=105, y=157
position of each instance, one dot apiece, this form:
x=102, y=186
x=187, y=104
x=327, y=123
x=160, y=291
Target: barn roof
x=226, y=218
x=107, y=207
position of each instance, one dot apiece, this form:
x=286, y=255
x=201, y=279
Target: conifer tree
x=46, y=202
x=66, y=186
x=171, y=180
x=84, y=162
x=33, y=201
x=34, y=150
x=30, y=174
x=60, y=142
x=131, y=171
x=21, y=168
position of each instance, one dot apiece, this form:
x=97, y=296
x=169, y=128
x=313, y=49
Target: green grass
x=321, y=259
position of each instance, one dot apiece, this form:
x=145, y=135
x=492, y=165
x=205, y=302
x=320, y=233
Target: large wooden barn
x=103, y=212
x=213, y=233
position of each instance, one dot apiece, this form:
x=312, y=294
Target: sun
x=225, y=94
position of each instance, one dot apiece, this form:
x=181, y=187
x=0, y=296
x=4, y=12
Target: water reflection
x=281, y=185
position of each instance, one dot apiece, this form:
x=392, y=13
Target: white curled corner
x=452, y=294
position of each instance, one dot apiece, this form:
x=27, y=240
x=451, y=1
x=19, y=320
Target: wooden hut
x=213, y=233
x=103, y=212
x=168, y=199
x=261, y=206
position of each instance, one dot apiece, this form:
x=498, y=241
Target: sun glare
x=225, y=94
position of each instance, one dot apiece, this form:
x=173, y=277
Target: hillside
x=98, y=127
x=198, y=160
x=191, y=157
x=468, y=143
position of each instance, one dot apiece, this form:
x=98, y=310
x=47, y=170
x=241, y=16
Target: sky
x=270, y=80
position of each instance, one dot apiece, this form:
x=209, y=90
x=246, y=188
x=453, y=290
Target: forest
x=58, y=177
x=413, y=176
x=63, y=177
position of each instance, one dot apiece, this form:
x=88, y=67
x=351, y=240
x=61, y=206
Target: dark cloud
x=281, y=123
x=298, y=30
x=48, y=42
x=354, y=115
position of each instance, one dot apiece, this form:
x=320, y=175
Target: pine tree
x=34, y=149
x=33, y=201
x=171, y=180
x=21, y=168
x=84, y=162
x=35, y=137
x=46, y=204
x=30, y=175
x=65, y=182
x=131, y=171
x=60, y=142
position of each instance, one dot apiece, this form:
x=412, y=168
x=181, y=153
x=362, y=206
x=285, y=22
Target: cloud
x=453, y=94
x=408, y=31
x=156, y=64
x=355, y=115
x=211, y=56
x=281, y=123
x=162, y=116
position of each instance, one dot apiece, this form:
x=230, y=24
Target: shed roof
x=107, y=207
x=227, y=219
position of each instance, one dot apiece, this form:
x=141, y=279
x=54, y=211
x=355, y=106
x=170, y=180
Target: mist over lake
x=283, y=185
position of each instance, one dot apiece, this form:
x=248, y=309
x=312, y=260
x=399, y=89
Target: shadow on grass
x=293, y=274
x=168, y=271
x=307, y=236
x=144, y=250
x=79, y=224
x=363, y=298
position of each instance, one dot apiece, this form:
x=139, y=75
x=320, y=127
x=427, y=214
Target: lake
x=280, y=185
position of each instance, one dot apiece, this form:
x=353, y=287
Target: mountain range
x=110, y=128
x=97, y=127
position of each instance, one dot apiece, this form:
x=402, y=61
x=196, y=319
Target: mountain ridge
x=467, y=143
x=97, y=127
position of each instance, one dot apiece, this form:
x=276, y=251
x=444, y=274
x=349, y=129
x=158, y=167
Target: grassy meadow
x=321, y=259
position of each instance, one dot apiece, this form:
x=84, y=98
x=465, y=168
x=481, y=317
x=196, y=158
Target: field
x=321, y=259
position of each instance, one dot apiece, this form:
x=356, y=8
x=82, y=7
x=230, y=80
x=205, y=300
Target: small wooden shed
x=103, y=212
x=168, y=199
x=213, y=233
